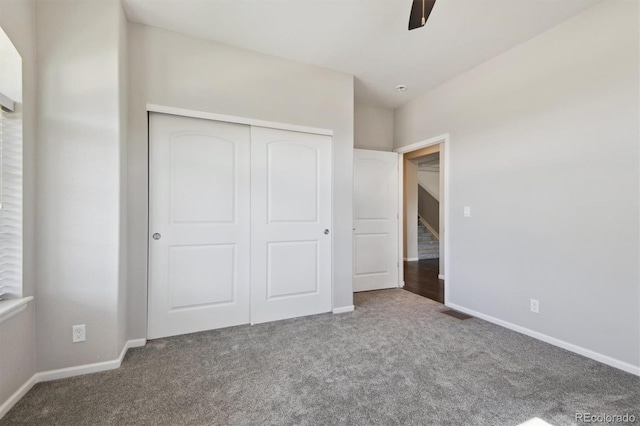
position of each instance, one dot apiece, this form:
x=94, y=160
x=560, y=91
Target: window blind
x=10, y=204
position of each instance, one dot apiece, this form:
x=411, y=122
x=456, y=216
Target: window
x=10, y=170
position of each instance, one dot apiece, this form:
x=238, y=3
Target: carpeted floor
x=395, y=360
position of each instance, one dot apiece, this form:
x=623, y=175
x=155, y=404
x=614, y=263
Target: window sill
x=9, y=308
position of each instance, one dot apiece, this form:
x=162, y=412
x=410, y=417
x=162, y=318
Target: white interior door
x=199, y=199
x=290, y=224
x=375, y=241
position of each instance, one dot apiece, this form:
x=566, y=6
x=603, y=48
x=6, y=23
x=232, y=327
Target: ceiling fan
x=420, y=11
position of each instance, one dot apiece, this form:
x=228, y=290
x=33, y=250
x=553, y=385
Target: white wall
x=170, y=69
x=544, y=148
x=373, y=128
x=123, y=106
x=431, y=182
x=17, y=334
x=79, y=154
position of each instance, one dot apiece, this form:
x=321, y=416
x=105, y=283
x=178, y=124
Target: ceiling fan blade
x=415, y=18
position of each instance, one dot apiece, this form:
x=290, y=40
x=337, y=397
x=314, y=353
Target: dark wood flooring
x=421, y=278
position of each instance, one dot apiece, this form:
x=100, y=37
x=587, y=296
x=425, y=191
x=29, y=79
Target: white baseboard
x=96, y=367
x=343, y=309
x=411, y=259
x=17, y=395
x=624, y=366
x=441, y=276
x=63, y=373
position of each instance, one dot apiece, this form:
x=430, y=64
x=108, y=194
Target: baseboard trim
x=17, y=395
x=343, y=309
x=441, y=276
x=129, y=344
x=605, y=359
x=411, y=259
x=63, y=373
x=96, y=367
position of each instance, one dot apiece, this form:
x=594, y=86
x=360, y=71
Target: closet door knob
x=157, y=236
x=326, y=232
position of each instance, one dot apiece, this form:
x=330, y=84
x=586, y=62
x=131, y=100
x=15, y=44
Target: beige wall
x=429, y=209
x=431, y=182
x=410, y=206
x=17, y=334
x=443, y=201
x=373, y=128
x=79, y=154
x=544, y=148
x=179, y=71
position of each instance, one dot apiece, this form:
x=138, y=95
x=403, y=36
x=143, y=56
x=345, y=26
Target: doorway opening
x=423, y=218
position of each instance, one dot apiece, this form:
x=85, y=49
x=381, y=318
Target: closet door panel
x=291, y=224
x=199, y=213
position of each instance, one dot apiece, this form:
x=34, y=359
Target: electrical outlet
x=535, y=306
x=79, y=333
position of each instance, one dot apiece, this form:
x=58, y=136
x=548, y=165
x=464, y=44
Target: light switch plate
x=467, y=211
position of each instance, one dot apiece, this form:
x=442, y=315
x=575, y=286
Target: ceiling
x=366, y=38
x=428, y=163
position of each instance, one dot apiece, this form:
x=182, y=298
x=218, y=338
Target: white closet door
x=199, y=198
x=290, y=224
x=375, y=208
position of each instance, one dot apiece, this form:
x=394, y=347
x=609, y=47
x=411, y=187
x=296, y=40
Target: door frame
x=445, y=141
x=238, y=120
x=162, y=109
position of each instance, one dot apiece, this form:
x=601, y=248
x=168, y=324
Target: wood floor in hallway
x=421, y=277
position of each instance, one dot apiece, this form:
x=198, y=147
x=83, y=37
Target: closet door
x=199, y=225
x=290, y=224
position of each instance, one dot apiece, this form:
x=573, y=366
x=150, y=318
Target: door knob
x=157, y=236
x=326, y=232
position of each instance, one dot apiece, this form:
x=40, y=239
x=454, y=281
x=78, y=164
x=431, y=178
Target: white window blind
x=10, y=204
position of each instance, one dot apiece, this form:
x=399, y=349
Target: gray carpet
x=395, y=360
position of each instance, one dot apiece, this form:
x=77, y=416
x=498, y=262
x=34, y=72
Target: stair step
x=422, y=230
x=429, y=246
x=422, y=256
x=428, y=249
